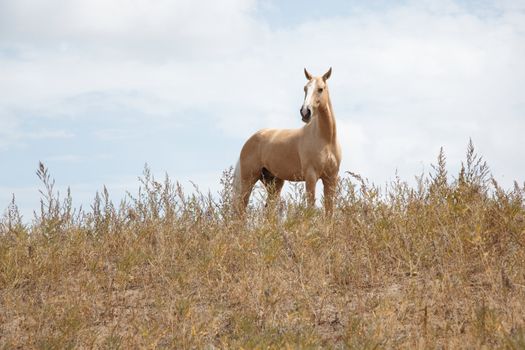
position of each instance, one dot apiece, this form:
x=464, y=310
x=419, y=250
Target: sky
x=96, y=89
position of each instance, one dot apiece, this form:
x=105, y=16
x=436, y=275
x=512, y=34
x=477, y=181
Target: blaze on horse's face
x=315, y=92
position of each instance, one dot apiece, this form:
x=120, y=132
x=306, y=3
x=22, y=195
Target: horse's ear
x=307, y=75
x=327, y=74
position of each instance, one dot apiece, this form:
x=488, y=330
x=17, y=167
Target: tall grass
x=438, y=264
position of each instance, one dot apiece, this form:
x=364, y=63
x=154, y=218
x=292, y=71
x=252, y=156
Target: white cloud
x=140, y=28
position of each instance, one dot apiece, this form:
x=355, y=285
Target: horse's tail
x=237, y=182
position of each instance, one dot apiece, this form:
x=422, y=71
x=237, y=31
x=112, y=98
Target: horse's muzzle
x=306, y=114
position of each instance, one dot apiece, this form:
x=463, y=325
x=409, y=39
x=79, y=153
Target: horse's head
x=315, y=94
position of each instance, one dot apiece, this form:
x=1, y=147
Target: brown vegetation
x=438, y=265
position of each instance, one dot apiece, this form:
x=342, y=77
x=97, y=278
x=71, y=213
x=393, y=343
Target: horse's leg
x=246, y=190
x=329, y=186
x=310, y=179
x=272, y=184
x=273, y=188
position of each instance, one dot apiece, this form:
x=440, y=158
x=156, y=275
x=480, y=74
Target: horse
x=307, y=154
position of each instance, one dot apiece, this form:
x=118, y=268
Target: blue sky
x=96, y=89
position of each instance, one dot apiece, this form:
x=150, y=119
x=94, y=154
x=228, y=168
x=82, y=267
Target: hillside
x=441, y=264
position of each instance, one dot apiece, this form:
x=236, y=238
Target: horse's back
x=271, y=137
x=252, y=145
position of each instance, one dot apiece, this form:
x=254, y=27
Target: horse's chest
x=330, y=163
x=325, y=161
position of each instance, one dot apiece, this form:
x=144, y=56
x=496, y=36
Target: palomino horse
x=306, y=154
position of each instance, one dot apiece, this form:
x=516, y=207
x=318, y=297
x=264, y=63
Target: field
x=437, y=265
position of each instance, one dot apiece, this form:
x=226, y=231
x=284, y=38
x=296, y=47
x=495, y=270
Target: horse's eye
x=320, y=90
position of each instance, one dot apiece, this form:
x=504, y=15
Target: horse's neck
x=326, y=122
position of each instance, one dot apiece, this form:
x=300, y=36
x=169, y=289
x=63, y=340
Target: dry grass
x=440, y=265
